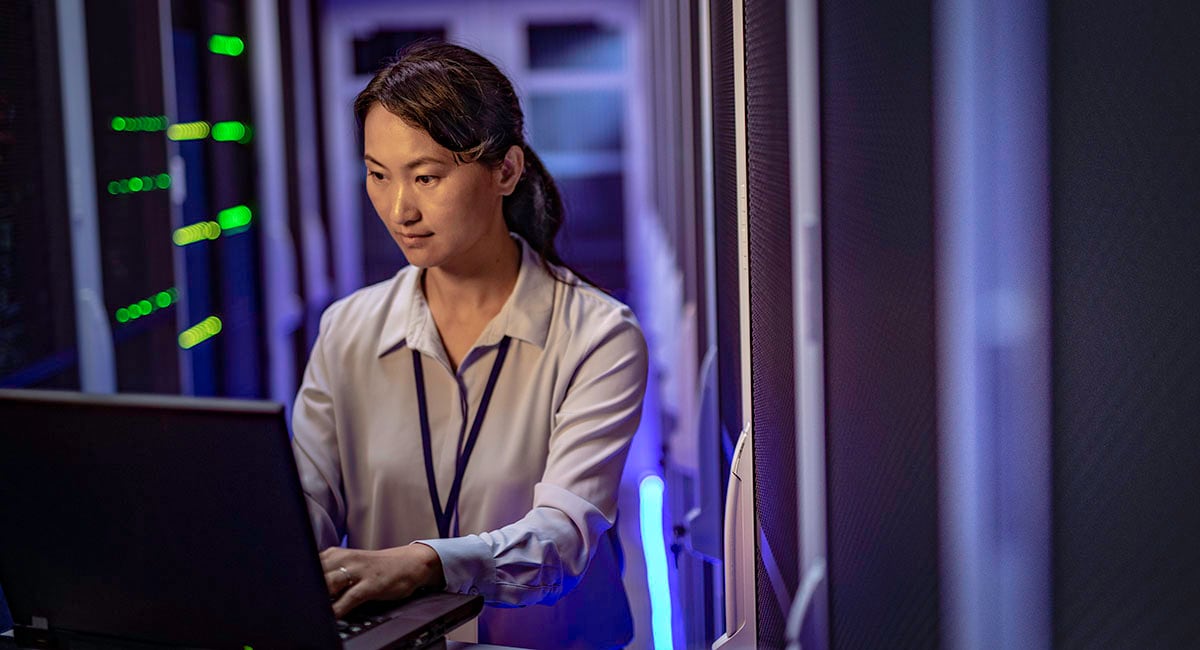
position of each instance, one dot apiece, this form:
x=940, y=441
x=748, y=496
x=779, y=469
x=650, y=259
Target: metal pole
x=97, y=369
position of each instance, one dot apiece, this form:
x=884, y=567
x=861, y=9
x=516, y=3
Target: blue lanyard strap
x=445, y=516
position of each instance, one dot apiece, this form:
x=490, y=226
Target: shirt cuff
x=466, y=562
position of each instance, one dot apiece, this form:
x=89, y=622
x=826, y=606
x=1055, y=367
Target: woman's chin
x=419, y=256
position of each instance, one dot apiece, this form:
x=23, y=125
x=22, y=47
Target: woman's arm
x=314, y=441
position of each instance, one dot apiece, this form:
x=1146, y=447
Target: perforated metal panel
x=725, y=220
x=771, y=322
x=879, y=326
x=1125, y=166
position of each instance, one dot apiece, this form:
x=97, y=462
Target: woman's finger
x=339, y=579
x=331, y=556
x=351, y=598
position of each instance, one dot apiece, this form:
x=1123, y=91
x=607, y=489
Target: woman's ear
x=511, y=169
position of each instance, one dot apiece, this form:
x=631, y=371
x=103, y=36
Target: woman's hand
x=357, y=576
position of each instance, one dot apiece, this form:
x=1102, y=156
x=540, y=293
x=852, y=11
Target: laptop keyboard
x=353, y=626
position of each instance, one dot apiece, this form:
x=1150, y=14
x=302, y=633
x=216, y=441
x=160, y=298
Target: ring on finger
x=349, y=578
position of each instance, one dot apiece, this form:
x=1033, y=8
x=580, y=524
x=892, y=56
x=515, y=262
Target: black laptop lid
x=163, y=519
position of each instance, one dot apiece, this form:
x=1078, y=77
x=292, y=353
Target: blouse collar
x=525, y=315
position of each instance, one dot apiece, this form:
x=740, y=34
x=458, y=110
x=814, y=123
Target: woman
x=464, y=425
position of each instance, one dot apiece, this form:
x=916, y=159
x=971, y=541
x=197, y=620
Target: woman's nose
x=401, y=210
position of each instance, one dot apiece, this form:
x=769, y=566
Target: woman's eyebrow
x=423, y=160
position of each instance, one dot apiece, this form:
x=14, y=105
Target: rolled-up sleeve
x=314, y=442
x=542, y=556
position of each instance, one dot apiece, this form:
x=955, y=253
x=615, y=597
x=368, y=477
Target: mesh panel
x=1124, y=100
x=771, y=325
x=879, y=327
x=725, y=218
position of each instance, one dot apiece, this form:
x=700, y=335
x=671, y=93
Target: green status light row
x=160, y=300
x=200, y=332
x=144, y=123
x=189, y=338
x=228, y=131
x=239, y=132
x=136, y=184
x=230, y=221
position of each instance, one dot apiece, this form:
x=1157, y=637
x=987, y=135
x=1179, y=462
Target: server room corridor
x=916, y=283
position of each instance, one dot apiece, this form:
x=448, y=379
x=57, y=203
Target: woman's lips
x=414, y=239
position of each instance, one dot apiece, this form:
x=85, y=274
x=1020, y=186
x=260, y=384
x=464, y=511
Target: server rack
x=168, y=187
x=880, y=345
x=37, y=307
x=1124, y=159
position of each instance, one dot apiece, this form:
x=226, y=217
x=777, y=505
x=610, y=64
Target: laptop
x=151, y=521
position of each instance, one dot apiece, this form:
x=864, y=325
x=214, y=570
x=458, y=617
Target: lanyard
x=445, y=516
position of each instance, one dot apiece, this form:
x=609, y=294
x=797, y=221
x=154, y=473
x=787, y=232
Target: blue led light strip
x=654, y=549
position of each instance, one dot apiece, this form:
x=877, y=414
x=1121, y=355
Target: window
x=576, y=46
x=370, y=52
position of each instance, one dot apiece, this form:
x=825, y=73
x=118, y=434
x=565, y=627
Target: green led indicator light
x=188, y=131
x=143, y=123
x=226, y=45
x=139, y=184
x=200, y=332
x=229, y=131
x=160, y=300
x=230, y=221
x=196, y=232
x=235, y=217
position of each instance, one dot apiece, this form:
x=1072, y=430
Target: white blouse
x=539, y=496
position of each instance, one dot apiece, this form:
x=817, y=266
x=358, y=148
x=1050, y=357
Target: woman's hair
x=468, y=106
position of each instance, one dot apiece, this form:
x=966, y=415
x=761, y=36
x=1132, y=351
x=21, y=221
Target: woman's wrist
x=433, y=576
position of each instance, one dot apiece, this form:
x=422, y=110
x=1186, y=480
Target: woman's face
x=439, y=212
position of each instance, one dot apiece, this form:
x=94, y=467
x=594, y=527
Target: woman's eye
x=375, y=175
x=426, y=180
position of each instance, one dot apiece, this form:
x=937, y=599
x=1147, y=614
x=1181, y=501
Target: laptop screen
x=163, y=519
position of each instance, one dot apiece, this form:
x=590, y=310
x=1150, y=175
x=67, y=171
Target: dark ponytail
x=468, y=106
x=535, y=210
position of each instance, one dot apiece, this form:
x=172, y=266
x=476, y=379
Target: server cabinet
x=137, y=121
x=37, y=308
